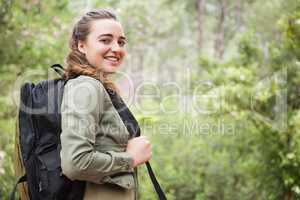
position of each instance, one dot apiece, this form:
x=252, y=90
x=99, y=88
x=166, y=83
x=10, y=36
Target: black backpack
x=38, y=143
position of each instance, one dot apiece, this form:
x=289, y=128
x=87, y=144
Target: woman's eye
x=105, y=41
x=122, y=43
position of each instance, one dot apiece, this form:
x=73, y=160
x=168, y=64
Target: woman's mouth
x=113, y=60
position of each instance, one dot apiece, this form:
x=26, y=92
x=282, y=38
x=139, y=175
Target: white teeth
x=112, y=58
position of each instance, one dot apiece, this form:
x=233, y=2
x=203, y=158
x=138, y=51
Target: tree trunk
x=200, y=15
x=219, y=46
x=288, y=195
x=238, y=14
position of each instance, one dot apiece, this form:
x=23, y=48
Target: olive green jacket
x=94, y=140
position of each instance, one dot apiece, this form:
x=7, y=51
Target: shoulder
x=85, y=85
x=84, y=80
x=85, y=91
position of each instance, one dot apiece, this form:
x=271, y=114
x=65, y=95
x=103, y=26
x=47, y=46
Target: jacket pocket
x=124, y=180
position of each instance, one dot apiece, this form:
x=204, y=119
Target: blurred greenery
x=223, y=126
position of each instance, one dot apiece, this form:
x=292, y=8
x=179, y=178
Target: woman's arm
x=81, y=109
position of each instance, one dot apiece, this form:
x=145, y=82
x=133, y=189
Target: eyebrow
x=110, y=35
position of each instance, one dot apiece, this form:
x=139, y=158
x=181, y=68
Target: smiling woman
x=98, y=144
x=104, y=46
x=97, y=47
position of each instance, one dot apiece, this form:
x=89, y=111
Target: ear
x=81, y=46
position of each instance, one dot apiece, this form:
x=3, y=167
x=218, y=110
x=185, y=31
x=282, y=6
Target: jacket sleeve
x=81, y=110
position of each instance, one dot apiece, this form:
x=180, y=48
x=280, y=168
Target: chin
x=113, y=69
x=110, y=71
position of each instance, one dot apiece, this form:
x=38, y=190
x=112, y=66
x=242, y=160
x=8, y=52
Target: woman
x=97, y=144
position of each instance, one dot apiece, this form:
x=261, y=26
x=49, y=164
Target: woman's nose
x=115, y=46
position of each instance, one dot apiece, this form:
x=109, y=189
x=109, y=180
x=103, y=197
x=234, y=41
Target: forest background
x=213, y=83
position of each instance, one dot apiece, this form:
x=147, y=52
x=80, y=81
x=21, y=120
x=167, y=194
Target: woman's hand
x=140, y=150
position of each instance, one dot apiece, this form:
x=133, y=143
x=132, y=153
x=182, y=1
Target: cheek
x=92, y=56
x=97, y=53
x=123, y=53
x=98, y=48
x=102, y=49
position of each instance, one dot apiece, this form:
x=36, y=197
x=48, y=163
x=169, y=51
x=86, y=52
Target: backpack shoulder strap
x=157, y=187
x=21, y=180
x=59, y=69
x=19, y=168
x=134, y=130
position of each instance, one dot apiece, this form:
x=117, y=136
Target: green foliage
x=236, y=130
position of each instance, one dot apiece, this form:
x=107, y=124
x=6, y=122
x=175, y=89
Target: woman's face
x=104, y=46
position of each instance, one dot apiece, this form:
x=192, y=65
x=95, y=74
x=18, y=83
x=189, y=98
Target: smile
x=112, y=58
